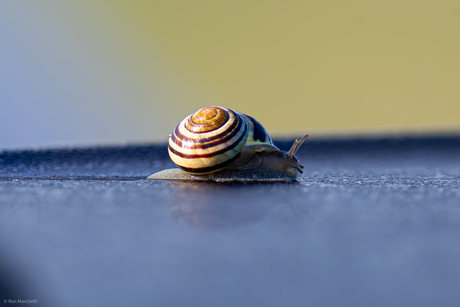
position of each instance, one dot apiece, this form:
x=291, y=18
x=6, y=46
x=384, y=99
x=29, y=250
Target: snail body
x=216, y=143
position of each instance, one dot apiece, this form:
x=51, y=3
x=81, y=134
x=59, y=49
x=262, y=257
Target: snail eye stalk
x=296, y=146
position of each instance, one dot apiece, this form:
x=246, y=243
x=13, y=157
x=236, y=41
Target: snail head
x=271, y=159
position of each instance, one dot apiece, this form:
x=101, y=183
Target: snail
x=219, y=144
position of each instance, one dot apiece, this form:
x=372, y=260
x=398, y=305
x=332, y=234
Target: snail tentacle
x=296, y=146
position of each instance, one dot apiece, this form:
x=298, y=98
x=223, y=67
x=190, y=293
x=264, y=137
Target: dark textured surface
x=373, y=222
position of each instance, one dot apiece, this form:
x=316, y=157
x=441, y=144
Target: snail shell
x=216, y=143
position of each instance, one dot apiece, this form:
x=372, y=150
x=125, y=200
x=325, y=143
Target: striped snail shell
x=212, y=138
x=216, y=143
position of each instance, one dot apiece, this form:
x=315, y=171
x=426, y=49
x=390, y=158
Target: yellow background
x=129, y=71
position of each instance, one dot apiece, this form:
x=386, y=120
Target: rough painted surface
x=372, y=222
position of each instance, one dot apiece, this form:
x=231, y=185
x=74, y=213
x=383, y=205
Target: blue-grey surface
x=372, y=222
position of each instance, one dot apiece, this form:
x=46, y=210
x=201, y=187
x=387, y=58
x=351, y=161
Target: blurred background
x=80, y=73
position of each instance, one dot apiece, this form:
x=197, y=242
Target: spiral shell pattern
x=211, y=139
